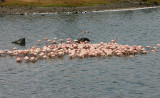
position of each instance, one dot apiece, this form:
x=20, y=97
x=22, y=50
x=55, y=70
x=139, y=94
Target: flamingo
x=81, y=50
x=61, y=40
x=158, y=45
x=113, y=41
x=45, y=38
x=32, y=59
x=19, y=59
x=26, y=58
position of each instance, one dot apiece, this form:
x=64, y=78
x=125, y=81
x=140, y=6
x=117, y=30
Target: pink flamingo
x=19, y=59
x=113, y=41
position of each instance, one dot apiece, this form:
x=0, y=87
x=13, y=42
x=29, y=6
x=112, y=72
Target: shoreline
x=72, y=10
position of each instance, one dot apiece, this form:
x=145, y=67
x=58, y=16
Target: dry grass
x=67, y=3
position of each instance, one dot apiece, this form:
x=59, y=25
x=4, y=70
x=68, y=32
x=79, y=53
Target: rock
x=21, y=42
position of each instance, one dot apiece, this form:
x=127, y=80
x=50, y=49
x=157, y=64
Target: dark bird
x=83, y=39
x=21, y=42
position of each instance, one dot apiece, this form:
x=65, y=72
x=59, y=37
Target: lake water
x=114, y=77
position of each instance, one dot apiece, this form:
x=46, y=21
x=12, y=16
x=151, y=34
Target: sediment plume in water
x=48, y=49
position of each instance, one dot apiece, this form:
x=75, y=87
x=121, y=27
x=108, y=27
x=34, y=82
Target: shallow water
x=114, y=77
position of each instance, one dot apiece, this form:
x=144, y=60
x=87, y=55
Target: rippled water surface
x=114, y=77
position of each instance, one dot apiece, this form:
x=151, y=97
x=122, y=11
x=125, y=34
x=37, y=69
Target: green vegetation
x=54, y=3
x=66, y=3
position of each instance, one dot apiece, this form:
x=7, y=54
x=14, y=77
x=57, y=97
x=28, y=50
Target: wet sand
x=71, y=10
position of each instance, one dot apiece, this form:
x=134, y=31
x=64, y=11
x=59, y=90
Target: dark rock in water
x=20, y=42
x=83, y=39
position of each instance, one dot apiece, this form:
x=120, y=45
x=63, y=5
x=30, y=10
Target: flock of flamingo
x=74, y=49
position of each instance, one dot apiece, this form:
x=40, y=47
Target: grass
x=54, y=3
x=66, y=3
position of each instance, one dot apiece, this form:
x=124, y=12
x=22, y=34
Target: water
x=115, y=77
